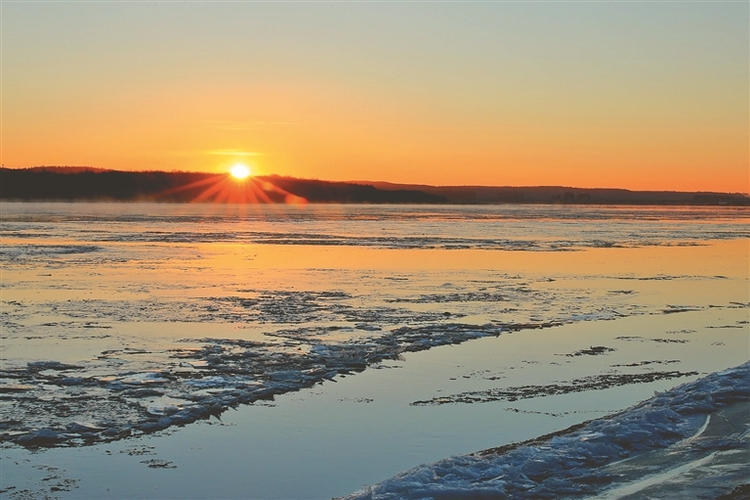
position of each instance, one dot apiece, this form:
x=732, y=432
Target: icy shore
x=694, y=437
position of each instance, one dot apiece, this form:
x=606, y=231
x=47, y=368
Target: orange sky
x=630, y=95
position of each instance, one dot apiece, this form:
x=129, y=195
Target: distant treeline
x=91, y=184
x=569, y=195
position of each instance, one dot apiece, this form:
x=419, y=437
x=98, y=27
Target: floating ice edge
x=572, y=462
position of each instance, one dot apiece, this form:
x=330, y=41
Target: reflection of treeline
x=655, y=198
x=85, y=184
x=719, y=199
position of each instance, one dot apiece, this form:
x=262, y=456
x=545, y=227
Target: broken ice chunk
x=166, y=406
x=83, y=427
x=144, y=378
x=16, y=388
x=37, y=366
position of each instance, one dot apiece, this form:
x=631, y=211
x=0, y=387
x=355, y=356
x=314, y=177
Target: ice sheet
x=121, y=322
x=103, y=314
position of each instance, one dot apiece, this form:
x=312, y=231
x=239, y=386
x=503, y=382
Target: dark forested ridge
x=88, y=184
x=571, y=195
x=91, y=184
x=77, y=183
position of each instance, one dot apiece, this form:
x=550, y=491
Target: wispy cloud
x=233, y=152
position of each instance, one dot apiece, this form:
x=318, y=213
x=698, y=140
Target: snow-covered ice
x=600, y=456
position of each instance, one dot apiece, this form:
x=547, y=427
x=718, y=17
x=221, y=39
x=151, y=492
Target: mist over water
x=500, y=227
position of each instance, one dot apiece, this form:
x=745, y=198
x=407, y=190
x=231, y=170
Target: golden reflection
x=724, y=258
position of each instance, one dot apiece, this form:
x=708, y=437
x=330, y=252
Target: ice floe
x=590, y=383
x=590, y=459
x=130, y=390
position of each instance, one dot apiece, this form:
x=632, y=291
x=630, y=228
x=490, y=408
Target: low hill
x=90, y=184
x=95, y=184
x=569, y=195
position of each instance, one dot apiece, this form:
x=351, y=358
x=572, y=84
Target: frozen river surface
x=128, y=331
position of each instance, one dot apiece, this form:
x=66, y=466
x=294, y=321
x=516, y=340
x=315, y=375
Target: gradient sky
x=638, y=95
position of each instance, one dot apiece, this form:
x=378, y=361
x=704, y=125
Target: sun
x=240, y=171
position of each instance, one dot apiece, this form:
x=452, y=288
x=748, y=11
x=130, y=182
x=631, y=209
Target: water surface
x=123, y=319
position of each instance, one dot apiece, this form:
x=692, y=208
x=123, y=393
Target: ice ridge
x=573, y=463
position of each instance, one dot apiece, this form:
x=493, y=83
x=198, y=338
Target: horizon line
x=374, y=183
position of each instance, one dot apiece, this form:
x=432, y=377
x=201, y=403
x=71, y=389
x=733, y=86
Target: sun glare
x=240, y=171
